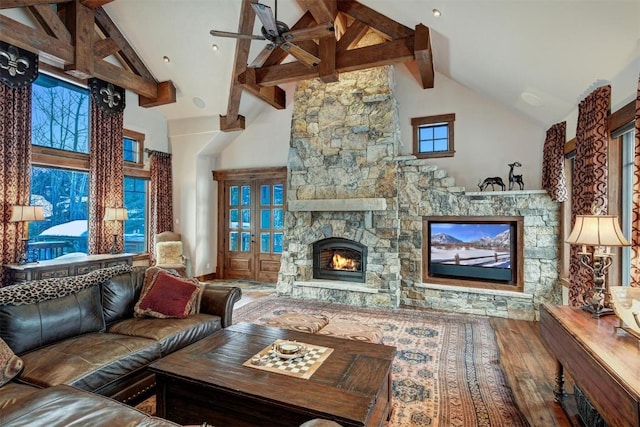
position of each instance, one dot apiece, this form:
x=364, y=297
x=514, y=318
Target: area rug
x=446, y=372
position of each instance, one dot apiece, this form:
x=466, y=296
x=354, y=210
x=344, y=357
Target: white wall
x=148, y=121
x=487, y=135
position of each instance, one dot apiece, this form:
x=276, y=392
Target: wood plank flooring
x=528, y=366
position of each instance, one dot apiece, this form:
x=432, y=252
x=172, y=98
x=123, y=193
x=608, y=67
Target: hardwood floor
x=530, y=371
x=528, y=366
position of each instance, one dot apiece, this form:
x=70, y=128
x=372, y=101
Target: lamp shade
x=597, y=230
x=26, y=213
x=115, y=214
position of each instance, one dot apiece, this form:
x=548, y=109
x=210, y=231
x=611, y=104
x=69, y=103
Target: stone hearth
x=346, y=179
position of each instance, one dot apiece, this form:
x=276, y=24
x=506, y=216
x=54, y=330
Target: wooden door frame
x=247, y=175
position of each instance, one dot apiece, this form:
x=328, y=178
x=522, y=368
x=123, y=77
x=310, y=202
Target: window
x=133, y=147
x=433, y=136
x=135, y=201
x=60, y=173
x=628, y=172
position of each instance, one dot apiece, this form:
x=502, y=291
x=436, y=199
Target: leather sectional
x=84, y=352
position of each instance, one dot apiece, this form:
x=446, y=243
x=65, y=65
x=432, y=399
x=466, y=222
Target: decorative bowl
x=626, y=305
x=288, y=347
x=289, y=350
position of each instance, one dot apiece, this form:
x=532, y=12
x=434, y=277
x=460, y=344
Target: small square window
x=433, y=136
x=133, y=143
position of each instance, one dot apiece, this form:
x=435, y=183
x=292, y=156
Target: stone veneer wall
x=427, y=191
x=344, y=146
x=344, y=138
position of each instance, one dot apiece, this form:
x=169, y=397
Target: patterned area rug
x=446, y=372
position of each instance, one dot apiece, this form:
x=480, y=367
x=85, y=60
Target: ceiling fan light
x=166, y=59
x=437, y=13
x=215, y=47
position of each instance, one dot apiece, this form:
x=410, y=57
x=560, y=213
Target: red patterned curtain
x=106, y=186
x=553, y=179
x=160, y=198
x=590, y=178
x=635, y=224
x=15, y=164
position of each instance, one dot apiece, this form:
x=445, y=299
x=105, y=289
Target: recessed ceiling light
x=199, y=102
x=215, y=47
x=437, y=13
x=166, y=59
x=531, y=99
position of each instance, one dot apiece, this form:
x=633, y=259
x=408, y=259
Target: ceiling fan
x=279, y=35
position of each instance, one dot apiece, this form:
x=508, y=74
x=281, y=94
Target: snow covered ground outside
x=470, y=256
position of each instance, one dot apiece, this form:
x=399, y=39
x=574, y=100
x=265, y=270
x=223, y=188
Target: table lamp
x=601, y=232
x=25, y=214
x=115, y=214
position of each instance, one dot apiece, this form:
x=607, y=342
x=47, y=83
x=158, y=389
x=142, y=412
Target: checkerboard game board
x=301, y=367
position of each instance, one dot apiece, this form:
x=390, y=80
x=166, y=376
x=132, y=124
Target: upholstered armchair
x=169, y=252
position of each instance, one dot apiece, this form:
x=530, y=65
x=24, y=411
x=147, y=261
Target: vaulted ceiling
x=537, y=57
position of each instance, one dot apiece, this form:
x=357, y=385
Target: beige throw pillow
x=169, y=253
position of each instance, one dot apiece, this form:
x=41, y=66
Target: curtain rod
x=156, y=153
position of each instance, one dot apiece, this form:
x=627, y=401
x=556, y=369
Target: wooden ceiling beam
x=79, y=21
x=7, y=4
x=388, y=53
x=128, y=54
x=375, y=20
x=35, y=41
x=424, y=56
x=166, y=94
x=327, y=66
x=245, y=26
x=272, y=95
x=105, y=47
x=50, y=22
x=321, y=10
x=119, y=76
x=354, y=33
x=94, y=4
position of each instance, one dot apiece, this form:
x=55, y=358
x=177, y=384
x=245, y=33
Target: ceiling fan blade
x=264, y=14
x=315, y=32
x=300, y=54
x=217, y=33
x=262, y=56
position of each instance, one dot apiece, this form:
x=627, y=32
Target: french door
x=251, y=213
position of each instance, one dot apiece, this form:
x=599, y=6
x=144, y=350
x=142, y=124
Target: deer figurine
x=515, y=179
x=492, y=180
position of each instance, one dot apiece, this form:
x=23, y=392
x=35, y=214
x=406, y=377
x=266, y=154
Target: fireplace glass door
x=339, y=259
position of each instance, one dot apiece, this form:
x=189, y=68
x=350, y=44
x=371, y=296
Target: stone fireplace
x=347, y=183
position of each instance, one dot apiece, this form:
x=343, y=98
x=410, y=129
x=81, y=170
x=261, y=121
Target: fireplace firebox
x=336, y=258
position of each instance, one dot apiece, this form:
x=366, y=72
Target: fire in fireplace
x=336, y=258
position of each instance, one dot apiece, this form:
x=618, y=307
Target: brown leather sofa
x=78, y=339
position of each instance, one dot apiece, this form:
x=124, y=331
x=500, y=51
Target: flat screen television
x=473, y=249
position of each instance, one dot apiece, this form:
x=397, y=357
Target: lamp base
x=114, y=246
x=597, y=313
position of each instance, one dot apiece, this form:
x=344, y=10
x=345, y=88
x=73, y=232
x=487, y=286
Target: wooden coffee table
x=207, y=382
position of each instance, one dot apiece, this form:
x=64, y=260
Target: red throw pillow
x=167, y=296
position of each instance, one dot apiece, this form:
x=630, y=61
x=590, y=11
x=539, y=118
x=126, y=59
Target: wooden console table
x=602, y=360
x=63, y=267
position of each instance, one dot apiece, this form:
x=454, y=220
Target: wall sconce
x=601, y=232
x=115, y=214
x=25, y=214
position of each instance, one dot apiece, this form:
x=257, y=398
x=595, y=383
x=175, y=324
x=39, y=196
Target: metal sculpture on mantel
x=492, y=180
x=515, y=179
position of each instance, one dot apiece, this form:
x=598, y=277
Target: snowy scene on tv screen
x=478, y=245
